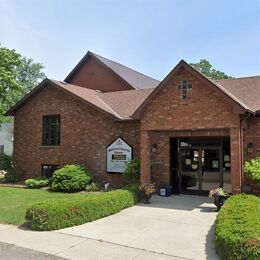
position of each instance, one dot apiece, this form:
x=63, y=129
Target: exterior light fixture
x=250, y=148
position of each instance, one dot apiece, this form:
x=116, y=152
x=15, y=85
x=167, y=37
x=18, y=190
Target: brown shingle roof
x=245, y=90
x=125, y=102
x=88, y=95
x=121, y=104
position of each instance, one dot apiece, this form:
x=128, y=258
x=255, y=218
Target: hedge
x=237, y=228
x=37, y=183
x=61, y=213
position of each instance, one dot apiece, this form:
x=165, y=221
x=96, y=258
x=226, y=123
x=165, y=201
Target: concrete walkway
x=177, y=227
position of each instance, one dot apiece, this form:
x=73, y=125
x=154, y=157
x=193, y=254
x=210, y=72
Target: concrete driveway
x=175, y=227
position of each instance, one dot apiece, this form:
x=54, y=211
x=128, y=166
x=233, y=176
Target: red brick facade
x=94, y=75
x=85, y=133
x=204, y=113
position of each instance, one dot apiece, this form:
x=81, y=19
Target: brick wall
x=85, y=133
x=252, y=135
x=204, y=109
x=94, y=75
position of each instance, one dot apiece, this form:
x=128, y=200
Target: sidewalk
x=73, y=247
x=176, y=227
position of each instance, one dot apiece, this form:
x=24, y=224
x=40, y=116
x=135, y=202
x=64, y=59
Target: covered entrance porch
x=192, y=161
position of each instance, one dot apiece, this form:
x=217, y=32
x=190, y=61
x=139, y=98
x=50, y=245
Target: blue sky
x=150, y=36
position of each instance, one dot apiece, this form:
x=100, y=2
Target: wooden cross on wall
x=184, y=87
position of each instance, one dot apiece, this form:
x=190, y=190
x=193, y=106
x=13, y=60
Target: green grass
x=15, y=201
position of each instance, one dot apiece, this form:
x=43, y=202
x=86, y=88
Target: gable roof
x=241, y=98
x=134, y=79
x=243, y=93
x=119, y=105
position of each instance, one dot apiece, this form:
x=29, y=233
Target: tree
x=205, y=68
x=18, y=76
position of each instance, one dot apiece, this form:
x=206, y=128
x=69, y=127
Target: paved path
x=177, y=227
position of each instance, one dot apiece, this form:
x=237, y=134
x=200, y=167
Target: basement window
x=49, y=169
x=51, y=130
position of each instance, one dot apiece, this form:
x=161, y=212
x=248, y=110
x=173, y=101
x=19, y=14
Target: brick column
x=145, y=146
x=235, y=148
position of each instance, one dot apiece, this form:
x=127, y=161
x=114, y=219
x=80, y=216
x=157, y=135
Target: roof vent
x=98, y=91
x=63, y=82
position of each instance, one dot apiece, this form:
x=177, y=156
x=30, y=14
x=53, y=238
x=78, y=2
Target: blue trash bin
x=165, y=190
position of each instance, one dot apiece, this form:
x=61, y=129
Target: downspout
x=243, y=126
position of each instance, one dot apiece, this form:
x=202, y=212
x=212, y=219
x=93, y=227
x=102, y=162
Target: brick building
x=195, y=132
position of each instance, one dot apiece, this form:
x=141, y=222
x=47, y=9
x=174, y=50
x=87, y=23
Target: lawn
x=15, y=201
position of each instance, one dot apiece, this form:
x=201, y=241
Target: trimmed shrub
x=70, y=178
x=237, y=228
x=93, y=186
x=37, y=183
x=252, y=170
x=61, y=213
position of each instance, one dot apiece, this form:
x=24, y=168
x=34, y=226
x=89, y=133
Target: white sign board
x=118, y=153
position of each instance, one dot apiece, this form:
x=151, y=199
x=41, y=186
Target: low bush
x=93, y=186
x=37, y=183
x=252, y=170
x=70, y=178
x=61, y=213
x=237, y=228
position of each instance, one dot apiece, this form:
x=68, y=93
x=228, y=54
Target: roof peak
x=133, y=78
x=98, y=55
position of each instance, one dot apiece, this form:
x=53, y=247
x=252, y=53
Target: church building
x=188, y=131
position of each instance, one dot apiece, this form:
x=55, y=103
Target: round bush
x=70, y=178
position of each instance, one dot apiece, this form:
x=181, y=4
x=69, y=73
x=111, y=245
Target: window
x=48, y=170
x=2, y=148
x=51, y=130
x=184, y=87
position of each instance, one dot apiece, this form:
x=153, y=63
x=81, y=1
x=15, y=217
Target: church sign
x=118, y=153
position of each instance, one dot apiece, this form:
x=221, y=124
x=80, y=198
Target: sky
x=150, y=36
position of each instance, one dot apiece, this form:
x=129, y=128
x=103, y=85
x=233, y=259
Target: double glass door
x=200, y=169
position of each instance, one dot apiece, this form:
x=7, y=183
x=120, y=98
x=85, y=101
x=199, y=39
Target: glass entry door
x=199, y=169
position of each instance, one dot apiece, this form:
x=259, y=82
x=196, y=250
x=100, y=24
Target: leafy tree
x=205, y=68
x=18, y=76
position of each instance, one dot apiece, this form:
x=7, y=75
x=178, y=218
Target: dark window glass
x=183, y=87
x=2, y=148
x=48, y=170
x=51, y=130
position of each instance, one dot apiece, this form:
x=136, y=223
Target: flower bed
x=57, y=214
x=237, y=228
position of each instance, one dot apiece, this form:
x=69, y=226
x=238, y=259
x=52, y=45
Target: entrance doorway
x=200, y=164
